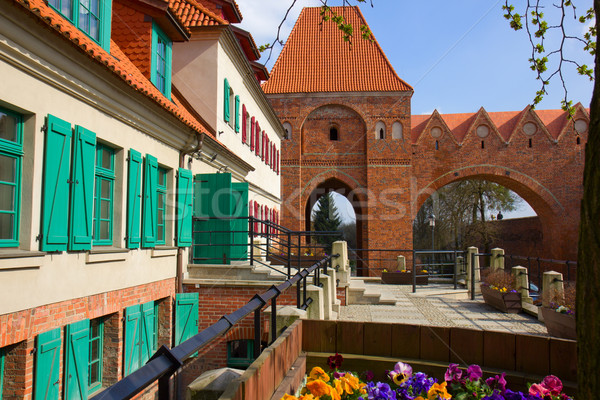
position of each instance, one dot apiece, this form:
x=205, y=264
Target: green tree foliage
x=549, y=58
x=326, y=218
x=462, y=210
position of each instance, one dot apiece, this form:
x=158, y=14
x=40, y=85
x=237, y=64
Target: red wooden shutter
x=257, y=138
x=243, y=123
x=252, y=134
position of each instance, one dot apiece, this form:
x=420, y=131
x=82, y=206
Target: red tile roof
x=505, y=122
x=317, y=59
x=116, y=61
x=193, y=14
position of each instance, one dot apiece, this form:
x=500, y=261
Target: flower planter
x=558, y=324
x=402, y=278
x=506, y=302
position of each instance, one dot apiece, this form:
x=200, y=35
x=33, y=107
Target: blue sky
x=458, y=55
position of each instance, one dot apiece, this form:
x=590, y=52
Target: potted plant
x=499, y=291
x=404, y=277
x=560, y=316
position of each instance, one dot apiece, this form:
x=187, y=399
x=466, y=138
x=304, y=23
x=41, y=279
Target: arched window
x=397, y=130
x=288, y=130
x=379, y=130
x=333, y=133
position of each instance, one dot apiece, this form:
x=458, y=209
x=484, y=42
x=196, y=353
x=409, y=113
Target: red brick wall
x=18, y=331
x=214, y=303
x=388, y=180
x=519, y=236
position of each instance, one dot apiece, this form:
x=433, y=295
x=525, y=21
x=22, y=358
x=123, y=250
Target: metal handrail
x=165, y=361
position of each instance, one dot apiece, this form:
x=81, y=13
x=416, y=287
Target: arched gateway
x=350, y=129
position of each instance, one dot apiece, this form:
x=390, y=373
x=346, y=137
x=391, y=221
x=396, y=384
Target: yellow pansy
x=438, y=391
x=289, y=397
x=318, y=373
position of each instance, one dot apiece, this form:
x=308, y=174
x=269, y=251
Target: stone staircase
x=325, y=304
x=361, y=293
x=236, y=271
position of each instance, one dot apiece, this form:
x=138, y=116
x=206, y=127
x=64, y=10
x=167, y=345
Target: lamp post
x=432, y=225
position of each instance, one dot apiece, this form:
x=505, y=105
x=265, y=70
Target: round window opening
x=436, y=132
x=530, y=128
x=483, y=131
x=581, y=126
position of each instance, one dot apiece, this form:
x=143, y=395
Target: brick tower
x=349, y=128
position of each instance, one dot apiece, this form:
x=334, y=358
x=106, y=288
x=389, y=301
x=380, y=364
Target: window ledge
x=164, y=251
x=107, y=249
x=106, y=254
x=16, y=259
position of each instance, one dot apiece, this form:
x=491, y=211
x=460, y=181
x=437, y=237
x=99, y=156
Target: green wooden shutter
x=214, y=192
x=186, y=316
x=239, y=199
x=184, y=207
x=47, y=365
x=148, y=330
x=105, y=24
x=1, y=371
x=226, y=115
x=134, y=202
x=149, y=211
x=132, y=339
x=82, y=190
x=77, y=360
x=55, y=192
x=237, y=113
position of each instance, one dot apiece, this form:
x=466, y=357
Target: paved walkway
x=427, y=308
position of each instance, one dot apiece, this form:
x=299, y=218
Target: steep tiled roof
x=192, y=14
x=505, y=122
x=317, y=59
x=116, y=61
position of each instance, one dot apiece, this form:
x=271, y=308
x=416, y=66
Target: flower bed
x=403, y=384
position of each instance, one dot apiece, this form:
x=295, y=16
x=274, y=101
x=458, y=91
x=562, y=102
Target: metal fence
x=440, y=266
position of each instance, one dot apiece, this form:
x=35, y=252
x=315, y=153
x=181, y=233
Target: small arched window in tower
x=530, y=143
x=397, y=130
x=333, y=133
x=578, y=140
x=437, y=145
x=288, y=130
x=483, y=144
x=379, y=130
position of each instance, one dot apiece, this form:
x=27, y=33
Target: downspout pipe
x=182, y=154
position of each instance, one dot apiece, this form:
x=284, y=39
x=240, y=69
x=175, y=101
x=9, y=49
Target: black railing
x=443, y=265
x=276, y=244
x=536, y=267
x=165, y=362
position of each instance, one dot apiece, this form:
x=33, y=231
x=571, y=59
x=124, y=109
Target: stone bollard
x=286, y=316
x=259, y=254
x=401, y=263
x=552, y=286
x=341, y=263
x=522, y=283
x=497, y=260
x=473, y=250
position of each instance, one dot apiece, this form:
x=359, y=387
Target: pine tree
x=325, y=218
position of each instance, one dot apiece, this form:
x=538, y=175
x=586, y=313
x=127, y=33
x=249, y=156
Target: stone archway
x=546, y=205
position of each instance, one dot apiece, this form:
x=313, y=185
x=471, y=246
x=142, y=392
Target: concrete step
x=234, y=271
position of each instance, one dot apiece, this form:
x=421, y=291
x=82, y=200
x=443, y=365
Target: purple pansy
x=474, y=372
x=453, y=373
